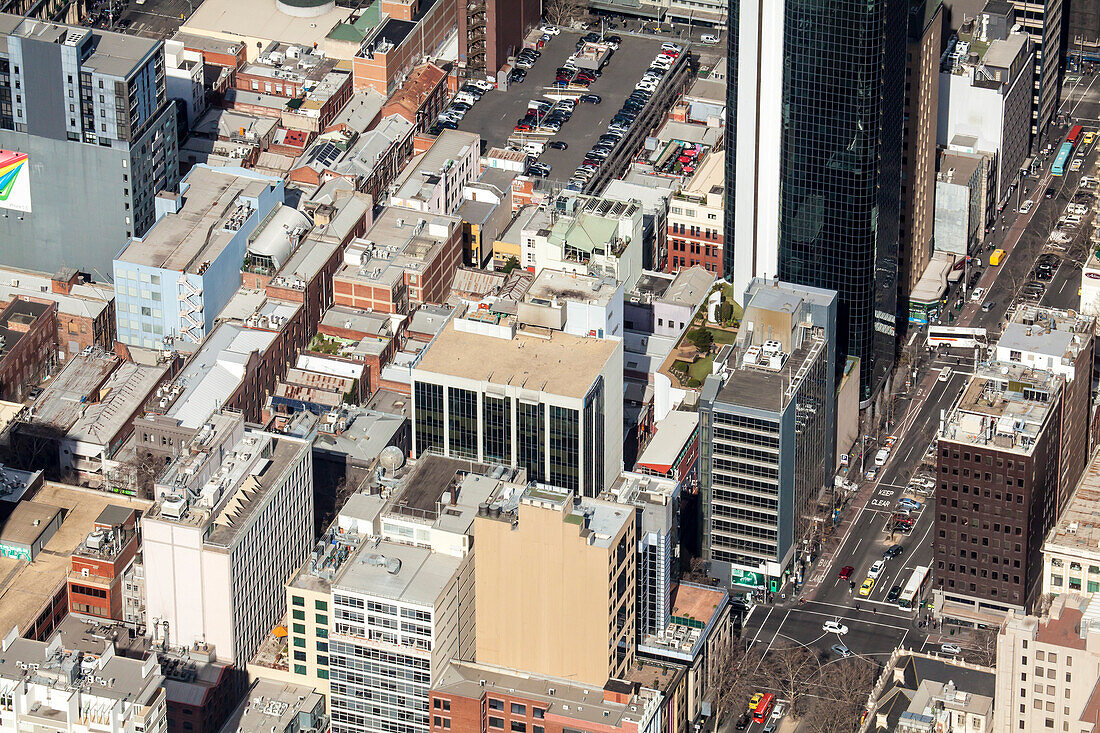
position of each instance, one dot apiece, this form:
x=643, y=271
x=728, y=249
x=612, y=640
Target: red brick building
x=421, y=98
x=85, y=312
x=99, y=563
x=489, y=31
x=28, y=346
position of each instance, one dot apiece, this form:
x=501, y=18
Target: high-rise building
x=89, y=137
x=918, y=185
x=1045, y=21
x=767, y=435
x=497, y=388
x=813, y=158
x=233, y=518
x=555, y=586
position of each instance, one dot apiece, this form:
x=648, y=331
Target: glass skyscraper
x=813, y=158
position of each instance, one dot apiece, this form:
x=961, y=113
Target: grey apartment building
x=767, y=435
x=85, y=117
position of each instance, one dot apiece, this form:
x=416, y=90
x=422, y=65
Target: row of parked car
x=472, y=91
x=623, y=120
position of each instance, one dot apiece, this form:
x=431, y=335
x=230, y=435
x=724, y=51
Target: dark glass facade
x=565, y=435
x=462, y=422
x=840, y=163
x=732, y=52
x=594, y=439
x=531, y=439
x=498, y=428
x=428, y=417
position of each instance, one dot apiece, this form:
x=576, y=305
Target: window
x=518, y=709
x=519, y=726
x=299, y=628
x=299, y=669
x=497, y=723
x=496, y=704
x=298, y=600
x=320, y=605
x=299, y=615
x=299, y=641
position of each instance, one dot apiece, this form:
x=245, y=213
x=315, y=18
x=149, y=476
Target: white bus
x=956, y=337
x=911, y=595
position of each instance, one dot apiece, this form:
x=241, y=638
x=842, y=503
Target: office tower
x=89, y=137
x=918, y=186
x=813, y=158
x=767, y=435
x=985, y=93
x=555, y=586
x=1083, y=39
x=1044, y=21
x=998, y=462
x=523, y=392
x=233, y=519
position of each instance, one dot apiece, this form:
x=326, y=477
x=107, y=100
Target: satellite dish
x=391, y=458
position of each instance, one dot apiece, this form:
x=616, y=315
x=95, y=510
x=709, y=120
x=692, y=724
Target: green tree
x=725, y=311
x=510, y=265
x=701, y=339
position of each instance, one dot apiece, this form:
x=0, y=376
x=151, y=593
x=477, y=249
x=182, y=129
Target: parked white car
x=550, y=30
x=710, y=38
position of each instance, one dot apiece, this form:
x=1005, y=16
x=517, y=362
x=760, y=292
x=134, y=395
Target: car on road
x=867, y=587
x=1075, y=165
x=743, y=722
x=892, y=552
x=977, y=294
x=841, y=650
x=894, y=594
x=910, y=504
x=754, y=700
x=1049, y=194
x=834, y=627
x=709, y=38
x=945, y=374
x=951, y=649
x=772, y=724
x=876, y=569
x=988, y=306
x=1025, y=206
x=881, y=456
x=846, y=572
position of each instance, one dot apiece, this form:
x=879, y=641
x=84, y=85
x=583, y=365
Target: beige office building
x=1047, y=669
x=556, y=587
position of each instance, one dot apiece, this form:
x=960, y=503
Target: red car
x=846, y=572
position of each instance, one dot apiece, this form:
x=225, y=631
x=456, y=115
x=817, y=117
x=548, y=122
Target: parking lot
x=495, y=116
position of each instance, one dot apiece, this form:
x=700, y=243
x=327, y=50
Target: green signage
x=747, y=579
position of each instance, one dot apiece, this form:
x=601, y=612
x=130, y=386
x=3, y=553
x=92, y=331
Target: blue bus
x=1062, y=159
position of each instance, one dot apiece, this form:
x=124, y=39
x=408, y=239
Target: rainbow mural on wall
x=15, y=184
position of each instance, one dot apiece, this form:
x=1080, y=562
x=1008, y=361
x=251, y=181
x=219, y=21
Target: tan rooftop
x=561, y=364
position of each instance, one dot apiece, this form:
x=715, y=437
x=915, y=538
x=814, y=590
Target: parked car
x=910, y=504
x=591, y=98
x=977, y=294
x=951, y=649
x=558, y=145
x=709, y=38
x=841, y=650
x=551, y=30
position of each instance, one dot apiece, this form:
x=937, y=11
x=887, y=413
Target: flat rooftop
x=16, y=320
x=398, y=572
x=1048, y=331
x=673, y=435
x=550, y=285
x=83, y=300
x=1004, y=406
x=561, y=364
x=245, y=20
x=28, y=586
x=765, y=389
x=210, y=217
x=272, y=706
x=115, y=54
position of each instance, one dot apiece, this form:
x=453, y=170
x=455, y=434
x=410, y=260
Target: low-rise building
x=171, y=283
x=695, y=219
x=28, y=346
x=1071, y=552
x=273, y=707
x=963, y=204
x=308, y=88
x=405, y=259
x=85, y=310
x=433, y=182
x=421, y=98
x=102, y=564
x=75, y=691
x=577, y=304
x=589, y=235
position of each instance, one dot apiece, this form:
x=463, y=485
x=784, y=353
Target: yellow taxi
x=755, y=700
x=867, y=587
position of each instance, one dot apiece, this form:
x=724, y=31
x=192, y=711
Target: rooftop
x=554, y=285
x=28, y=586
x=215, y=372
x=564, y=700
x=555, y=362
x=418, y=179
x=252, y=19
x=83, y=300
x=217, y=202
x=399, y=240
x=1056, y=334
x=66, y=397
x=121, y=395
x=1004, y=406
x=397, y=572
x=673, y=434
x=1078, y=529
x=114, y=54
x=273, y=707
x=357, y=432
x=17, y=319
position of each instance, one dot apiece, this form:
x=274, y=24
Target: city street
x=875, y=626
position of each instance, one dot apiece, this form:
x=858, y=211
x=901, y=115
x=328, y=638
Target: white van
x=881, y=456
x=535, y=149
